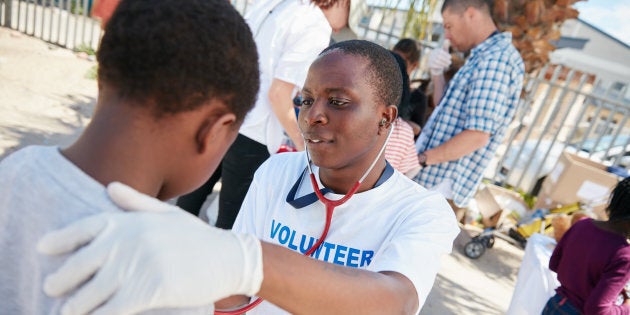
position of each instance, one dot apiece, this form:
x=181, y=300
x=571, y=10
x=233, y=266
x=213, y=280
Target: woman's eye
x=307, y=102
x=337, y=102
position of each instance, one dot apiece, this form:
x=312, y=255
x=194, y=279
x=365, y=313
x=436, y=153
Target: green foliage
x=417, y=17
x=527, y=197
x=418, y=24
x=86, y=49
x=92, y=73
x=76, y=7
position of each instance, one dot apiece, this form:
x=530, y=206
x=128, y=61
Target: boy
x=169, y=106
x=382, y=251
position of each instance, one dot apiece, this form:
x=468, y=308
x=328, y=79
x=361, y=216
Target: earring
x=383, y=122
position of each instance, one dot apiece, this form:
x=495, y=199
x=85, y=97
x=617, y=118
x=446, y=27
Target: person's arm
x=303, y=285
x=299, y=284
x=305, y=39
x=438, y=88
x=337, y=15
x=612, y=281
x=439, y=61
x=484, y=116
x=460, y=145
x=281, y=98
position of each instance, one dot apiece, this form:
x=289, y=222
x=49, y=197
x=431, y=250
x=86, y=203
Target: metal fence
x=561, y=109
x=66, y=23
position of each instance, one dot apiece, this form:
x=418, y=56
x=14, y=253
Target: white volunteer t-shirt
x=398, y=226
x=289, y=35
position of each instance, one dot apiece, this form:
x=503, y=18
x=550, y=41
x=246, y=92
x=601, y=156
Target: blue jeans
x=559, y=305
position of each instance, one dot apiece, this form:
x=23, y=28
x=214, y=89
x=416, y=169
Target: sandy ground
x=46, y=98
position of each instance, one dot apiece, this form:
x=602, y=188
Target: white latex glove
x=439, y=59
x=141, y=260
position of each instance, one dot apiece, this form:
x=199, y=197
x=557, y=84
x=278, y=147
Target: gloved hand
x=439, y=59
x=153, y=257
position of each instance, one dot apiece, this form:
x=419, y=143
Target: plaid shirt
x=483, y=95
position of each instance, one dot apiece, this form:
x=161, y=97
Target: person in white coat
x=289, y=34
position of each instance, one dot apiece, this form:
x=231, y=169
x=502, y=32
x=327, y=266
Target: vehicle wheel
x=474, y=249
x=490, y=242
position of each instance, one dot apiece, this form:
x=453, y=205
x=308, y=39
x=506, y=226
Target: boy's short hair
x=382, y=72
x=178, y=54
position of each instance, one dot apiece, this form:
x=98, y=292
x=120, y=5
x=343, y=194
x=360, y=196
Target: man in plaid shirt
x=470, y=121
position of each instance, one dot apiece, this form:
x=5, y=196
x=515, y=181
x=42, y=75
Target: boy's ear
x=215, y=131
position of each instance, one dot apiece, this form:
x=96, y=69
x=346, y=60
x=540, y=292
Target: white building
x=586, y=48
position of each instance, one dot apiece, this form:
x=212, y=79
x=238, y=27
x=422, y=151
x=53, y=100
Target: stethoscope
x=330, y=208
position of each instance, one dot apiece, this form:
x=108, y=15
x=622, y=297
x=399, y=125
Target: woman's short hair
x=382, y=72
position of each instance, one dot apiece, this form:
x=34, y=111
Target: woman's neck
x=341, y=182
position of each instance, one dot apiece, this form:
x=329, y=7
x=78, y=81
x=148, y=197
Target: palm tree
x=534, y=24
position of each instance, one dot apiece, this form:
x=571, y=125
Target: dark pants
x=558, y=305
x=239, y=164
x=193, y=201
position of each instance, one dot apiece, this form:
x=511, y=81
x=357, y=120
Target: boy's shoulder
x=26, y=156
x=44, y=169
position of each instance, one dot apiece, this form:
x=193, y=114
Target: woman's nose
x=316, y=113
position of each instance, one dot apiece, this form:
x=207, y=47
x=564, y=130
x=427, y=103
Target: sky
x=611, y=16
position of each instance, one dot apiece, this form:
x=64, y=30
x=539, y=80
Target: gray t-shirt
x=40, y=191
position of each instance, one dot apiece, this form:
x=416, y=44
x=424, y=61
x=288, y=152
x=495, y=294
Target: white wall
x=599, y=44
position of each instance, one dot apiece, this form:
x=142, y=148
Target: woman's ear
x=391, y=113
x=388, y=117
